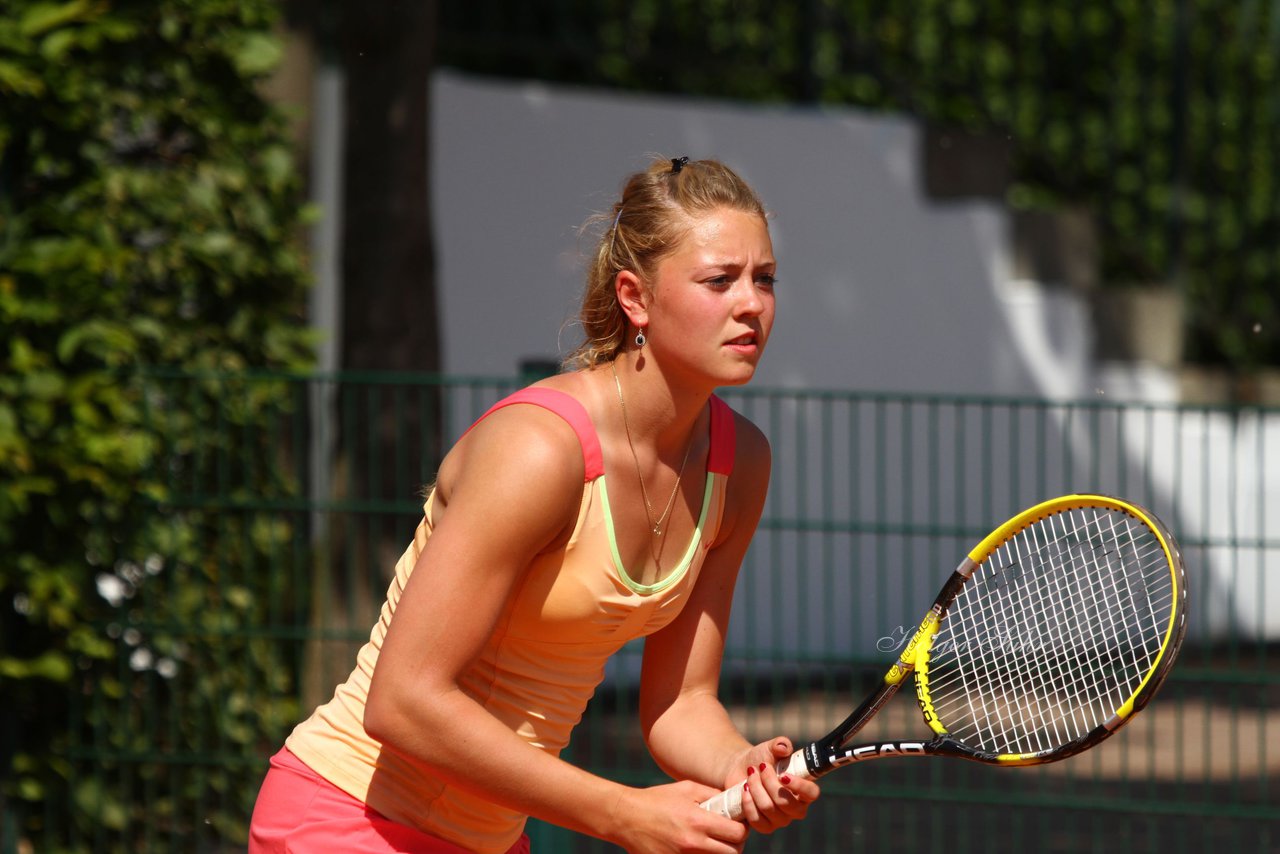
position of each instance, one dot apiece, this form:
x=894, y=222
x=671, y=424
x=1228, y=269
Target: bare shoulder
x=529, y=434
x=522, y=457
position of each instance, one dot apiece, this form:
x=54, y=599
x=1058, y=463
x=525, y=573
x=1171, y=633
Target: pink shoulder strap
x=723, y=438
x=571, y=411
x=723, y=431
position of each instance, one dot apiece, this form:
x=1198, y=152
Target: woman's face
x=711, y=301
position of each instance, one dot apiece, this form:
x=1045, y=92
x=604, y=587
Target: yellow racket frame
x=915, y=656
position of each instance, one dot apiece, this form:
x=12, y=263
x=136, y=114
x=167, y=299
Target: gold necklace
x=654, y=525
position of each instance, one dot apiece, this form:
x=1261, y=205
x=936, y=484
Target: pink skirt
x=298, y=812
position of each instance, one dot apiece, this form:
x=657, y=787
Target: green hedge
x=150, y=214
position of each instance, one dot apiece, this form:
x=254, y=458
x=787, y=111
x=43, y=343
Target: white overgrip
x=729, y=802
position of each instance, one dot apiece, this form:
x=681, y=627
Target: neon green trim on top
x=681, y=568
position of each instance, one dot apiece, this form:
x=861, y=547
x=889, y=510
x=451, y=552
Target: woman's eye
x=765, y=280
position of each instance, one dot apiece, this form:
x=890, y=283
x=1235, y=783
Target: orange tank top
x=572, y=610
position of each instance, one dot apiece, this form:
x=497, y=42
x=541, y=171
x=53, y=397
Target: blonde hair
x=645, y=225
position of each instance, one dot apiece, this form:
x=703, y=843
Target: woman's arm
x=512, y=490
x=688, y=730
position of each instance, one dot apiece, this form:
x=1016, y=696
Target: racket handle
x=729, y=802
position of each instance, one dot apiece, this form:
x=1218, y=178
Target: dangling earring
x=640, y=339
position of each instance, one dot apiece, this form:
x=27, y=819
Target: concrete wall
x=880, y=287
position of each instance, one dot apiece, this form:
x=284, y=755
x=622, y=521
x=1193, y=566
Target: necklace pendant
x=657, y=530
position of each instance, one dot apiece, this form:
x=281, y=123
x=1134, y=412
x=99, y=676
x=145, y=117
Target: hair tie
x=613, y=232
x=678, y=163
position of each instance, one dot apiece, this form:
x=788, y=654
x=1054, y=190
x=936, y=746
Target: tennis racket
x=1051, y=634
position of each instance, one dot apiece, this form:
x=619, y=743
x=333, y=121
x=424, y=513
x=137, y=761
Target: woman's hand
x=666, y=819
x=770, y=801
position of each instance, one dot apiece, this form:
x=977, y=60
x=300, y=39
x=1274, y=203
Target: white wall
x=879, y=287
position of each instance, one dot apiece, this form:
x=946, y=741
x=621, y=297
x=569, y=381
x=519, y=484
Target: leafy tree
x=149, y=216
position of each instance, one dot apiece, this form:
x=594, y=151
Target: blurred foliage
x=149, y=215
x=1161, y=118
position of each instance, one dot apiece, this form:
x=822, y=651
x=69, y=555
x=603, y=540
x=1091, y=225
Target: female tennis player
x=612, y=501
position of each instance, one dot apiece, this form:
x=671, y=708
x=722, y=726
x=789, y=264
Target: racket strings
x=1012, y=682
x=1066, y=677
x=1053, y=633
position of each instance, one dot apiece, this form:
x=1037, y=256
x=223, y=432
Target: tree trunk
x=388, y=436
x=389, y=300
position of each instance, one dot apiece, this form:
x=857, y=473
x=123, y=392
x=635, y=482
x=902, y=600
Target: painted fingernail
x=761, y=767
x=784, y=779
x=751, y=771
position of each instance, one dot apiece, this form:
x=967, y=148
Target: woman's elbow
x=381, y=716
x=398, y=710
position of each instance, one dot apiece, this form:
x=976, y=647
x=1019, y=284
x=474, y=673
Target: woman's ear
x=633, y=297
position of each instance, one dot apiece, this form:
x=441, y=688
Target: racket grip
x=729, y=802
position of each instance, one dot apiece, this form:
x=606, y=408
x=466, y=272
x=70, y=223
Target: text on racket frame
x=874, y=751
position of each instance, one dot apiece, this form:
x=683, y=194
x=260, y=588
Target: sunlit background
x=261, y=262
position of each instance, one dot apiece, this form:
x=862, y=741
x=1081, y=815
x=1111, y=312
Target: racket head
x=1070, y=618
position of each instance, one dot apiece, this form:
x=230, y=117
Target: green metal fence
x=276, y=536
